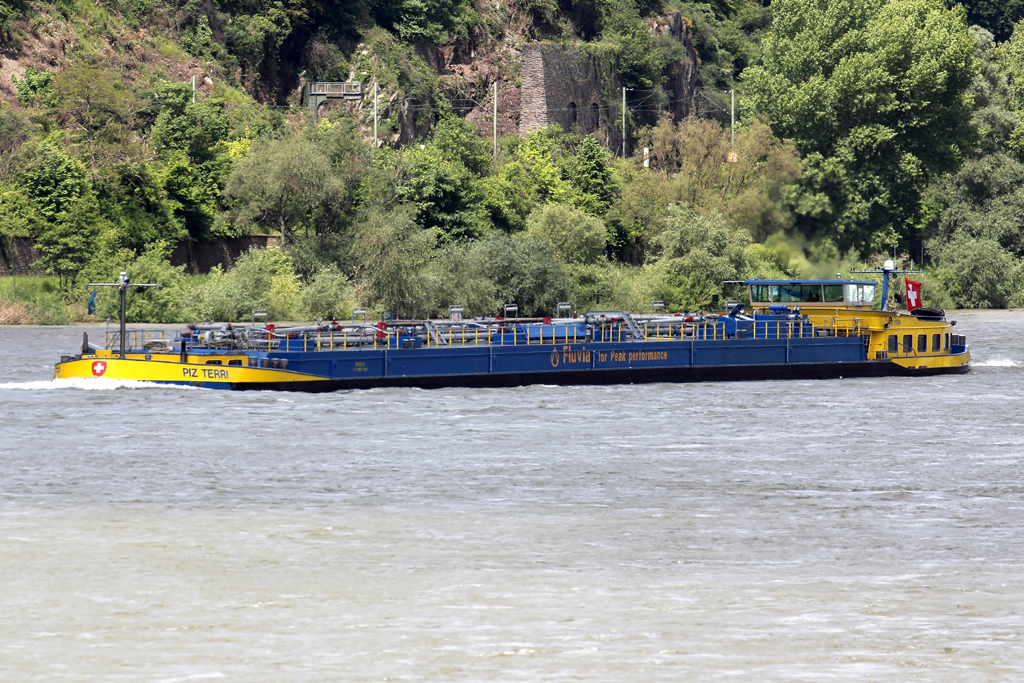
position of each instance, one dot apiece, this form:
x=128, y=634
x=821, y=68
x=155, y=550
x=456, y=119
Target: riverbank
x=37, y=300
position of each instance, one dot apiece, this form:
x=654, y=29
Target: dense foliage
x=866, y=129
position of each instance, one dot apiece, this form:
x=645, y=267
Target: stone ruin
x=563, y=85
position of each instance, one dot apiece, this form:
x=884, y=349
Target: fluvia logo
x=98, y=368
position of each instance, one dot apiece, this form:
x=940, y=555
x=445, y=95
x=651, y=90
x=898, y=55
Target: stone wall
x=202, y=257
x=564, y=85
x=533, y=109
x=17, y=254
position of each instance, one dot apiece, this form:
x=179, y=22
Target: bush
x=261, y=279
x=575, y=236
x=978, y=272
x=452, y=278
x=392, y=252
x=524, y=270
x=700, y=252
x=328, y=296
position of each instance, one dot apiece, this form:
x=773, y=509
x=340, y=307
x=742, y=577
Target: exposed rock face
x=681, y=78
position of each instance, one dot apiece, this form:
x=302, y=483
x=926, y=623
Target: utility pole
x=623, y=122
x=494, y=118
x=375, y=113
x=733, y=93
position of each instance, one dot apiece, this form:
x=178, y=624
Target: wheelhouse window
x=764, y=293
x=894, y=344
x=922, y=343
x=946, y=342
x=936, y=343
x=908, y=343
x=860, y=295
x=800, y=293
x=833, y=293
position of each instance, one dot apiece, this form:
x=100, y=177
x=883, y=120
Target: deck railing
x=138, y=340
x=467, y=336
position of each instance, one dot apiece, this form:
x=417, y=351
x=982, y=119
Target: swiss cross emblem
x=98, y=368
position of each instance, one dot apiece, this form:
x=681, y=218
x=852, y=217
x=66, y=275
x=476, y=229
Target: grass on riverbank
x=37, y=300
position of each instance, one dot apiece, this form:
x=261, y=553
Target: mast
x=122, y=285
x=888, y=268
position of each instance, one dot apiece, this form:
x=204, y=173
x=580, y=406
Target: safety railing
x=137, y=340
x=433, y=336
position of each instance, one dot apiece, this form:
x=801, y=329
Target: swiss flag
x=913, y=295
x=98, y=368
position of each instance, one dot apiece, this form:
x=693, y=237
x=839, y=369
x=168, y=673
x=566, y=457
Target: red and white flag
x=913, y=295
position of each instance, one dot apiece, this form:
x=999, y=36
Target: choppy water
x=776, y=531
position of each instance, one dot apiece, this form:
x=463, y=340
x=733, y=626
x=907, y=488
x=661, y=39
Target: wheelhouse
x=859, y=294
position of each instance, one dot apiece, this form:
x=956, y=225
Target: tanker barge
x=789, y=329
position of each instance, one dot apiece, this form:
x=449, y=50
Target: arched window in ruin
x=595, y=116
x=572, y=113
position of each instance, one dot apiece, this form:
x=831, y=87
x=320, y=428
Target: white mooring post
x=494, y=118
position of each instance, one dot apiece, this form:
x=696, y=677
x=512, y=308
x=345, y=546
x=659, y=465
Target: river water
x=868, y=529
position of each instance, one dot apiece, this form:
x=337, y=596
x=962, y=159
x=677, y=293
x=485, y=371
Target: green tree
x=550, y=166
x=442, y=190
x=19, y=215
x=419, y=21
x=55, y=180
x=67, y=243
x=750, y=183
x=982, y=199
x=95, y=103
x=194, y=129
x=996, y=16
x=875, y=95
x=391, y=251
x=698, y=254
x=588, y=168
x=639, y=62
x=284, y=185
x=978, y=273
x=441, y=180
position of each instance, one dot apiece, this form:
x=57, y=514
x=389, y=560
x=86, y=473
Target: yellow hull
x=167, y=368
x=934, y=362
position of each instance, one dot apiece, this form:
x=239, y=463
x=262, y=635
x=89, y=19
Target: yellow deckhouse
x=918, y=339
